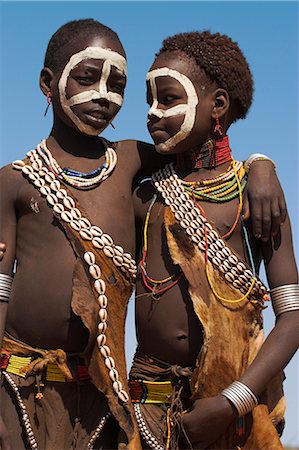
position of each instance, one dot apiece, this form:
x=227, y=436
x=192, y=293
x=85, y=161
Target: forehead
x=179, y=63
x=103, y=47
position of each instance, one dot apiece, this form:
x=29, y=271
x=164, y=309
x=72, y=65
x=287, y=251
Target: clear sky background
x=267, y=32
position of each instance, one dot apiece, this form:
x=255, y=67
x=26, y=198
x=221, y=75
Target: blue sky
x=267, y=32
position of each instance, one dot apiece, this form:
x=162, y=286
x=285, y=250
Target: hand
x=4, y=444
x=2, y=250
x=263, y=200
x=207, y=420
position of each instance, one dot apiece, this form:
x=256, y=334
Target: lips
x=158, y=135
x=96, y=117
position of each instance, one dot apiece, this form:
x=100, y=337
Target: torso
x=40, y=307
x=168, y=328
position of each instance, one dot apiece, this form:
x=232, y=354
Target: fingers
x=256, y=219
x=276, y=217
x=283, y=210
x=246, y=208
x=266, y=222
x=2, y=250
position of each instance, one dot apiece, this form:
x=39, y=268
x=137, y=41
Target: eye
x=85, y=81
x=168, y=99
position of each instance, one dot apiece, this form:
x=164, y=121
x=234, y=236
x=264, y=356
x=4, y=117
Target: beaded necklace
x=229, y=189
x=79, y=180
x=211, y=154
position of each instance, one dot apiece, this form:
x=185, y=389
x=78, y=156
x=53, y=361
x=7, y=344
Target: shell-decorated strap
x=234, y=270
x=66, y=209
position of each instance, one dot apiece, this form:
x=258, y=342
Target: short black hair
x=221, y=60
x=70, y=32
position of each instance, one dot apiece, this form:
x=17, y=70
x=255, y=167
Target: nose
x=102, y=101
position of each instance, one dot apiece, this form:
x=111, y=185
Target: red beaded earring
x=49, y=102
x=218, y=128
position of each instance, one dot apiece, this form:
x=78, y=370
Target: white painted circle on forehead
x=188, y=109
x=110, y=58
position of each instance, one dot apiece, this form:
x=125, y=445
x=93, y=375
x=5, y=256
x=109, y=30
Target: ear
x=221, y=103
x=45, y=80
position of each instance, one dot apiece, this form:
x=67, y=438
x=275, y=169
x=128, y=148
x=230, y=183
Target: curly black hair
x=221, y=60
x=70, y=32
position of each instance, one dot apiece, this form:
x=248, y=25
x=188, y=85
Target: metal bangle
x=285, y=298
x=5, y=287
x=241, y=396
x=256, y=157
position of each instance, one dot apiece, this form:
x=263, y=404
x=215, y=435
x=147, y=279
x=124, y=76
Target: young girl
x=202, y=375
x=68, y=222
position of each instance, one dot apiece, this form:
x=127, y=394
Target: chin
x=163, y=149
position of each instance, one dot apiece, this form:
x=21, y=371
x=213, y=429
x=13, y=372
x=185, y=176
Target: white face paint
x=110, y=59
x=187, y=109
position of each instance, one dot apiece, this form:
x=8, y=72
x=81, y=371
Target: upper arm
x=8, y=221
x=278, y=255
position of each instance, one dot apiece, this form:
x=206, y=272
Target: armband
x=256, y=157
x=241, y=397
x=285, y=298
x=5, y=287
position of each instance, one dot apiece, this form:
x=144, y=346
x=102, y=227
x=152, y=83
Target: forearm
x=275, y=353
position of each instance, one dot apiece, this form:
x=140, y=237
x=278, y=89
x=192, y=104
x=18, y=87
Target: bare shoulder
x=133, y=154
x=11, y=181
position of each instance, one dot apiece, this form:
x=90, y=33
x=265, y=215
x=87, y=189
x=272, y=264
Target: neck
x=211, y=154
x=74, y=143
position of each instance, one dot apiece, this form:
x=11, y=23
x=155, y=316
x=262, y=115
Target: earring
x=49, y=102
x=112, y=126
x=218, y=128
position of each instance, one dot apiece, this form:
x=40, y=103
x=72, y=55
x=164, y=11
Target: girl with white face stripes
x=181, y=108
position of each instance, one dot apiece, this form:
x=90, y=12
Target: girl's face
x=179, y=118
x=90, y=87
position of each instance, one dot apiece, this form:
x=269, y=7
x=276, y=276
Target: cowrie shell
x=39, y=182
x=37, y=165
x=66, y=216
x=52, y=199
x=100, y=286
x=97, y=242
x=195, y=238
x=85, y=233
x=107, y=239
x=118, y=250
x=103, y=301
x=123, y=396
x=90, y=258
x=108, y=251
x=118, y=260
x=55, y=185
x=62, y=193
x=75, y=225
x=103, y=314
x=233, y=259
x=202, y=245
x=226, y=251
x=241, y=267
x=216, y=261
x=27, y=170
x=95, y=271
x=33, y=176
x=18, y=164
x=45, y=190
x=43, y=171
x=49, y=177
x=96, y=231
x=105, y=351
x=58, y=208
x=109, y=363
x=101, y=340
x=229, y=277
x=117, y=386
x=127, y=258
x=84, y=223
x=102, y=327
x=76, y=213
x=69, y=202
x=113, y=374
x=179, y=215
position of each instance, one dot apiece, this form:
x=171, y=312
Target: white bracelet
x=5, y=287
x=285, y=298
x=256, y=157
x=241, y=396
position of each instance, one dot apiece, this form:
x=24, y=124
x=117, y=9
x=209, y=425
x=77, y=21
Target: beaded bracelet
x=241, y=396
x=256, y=157
x=5, y=287
x=285, y=298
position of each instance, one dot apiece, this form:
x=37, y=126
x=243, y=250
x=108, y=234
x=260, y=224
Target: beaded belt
x=14, y=364
x=143, y=391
